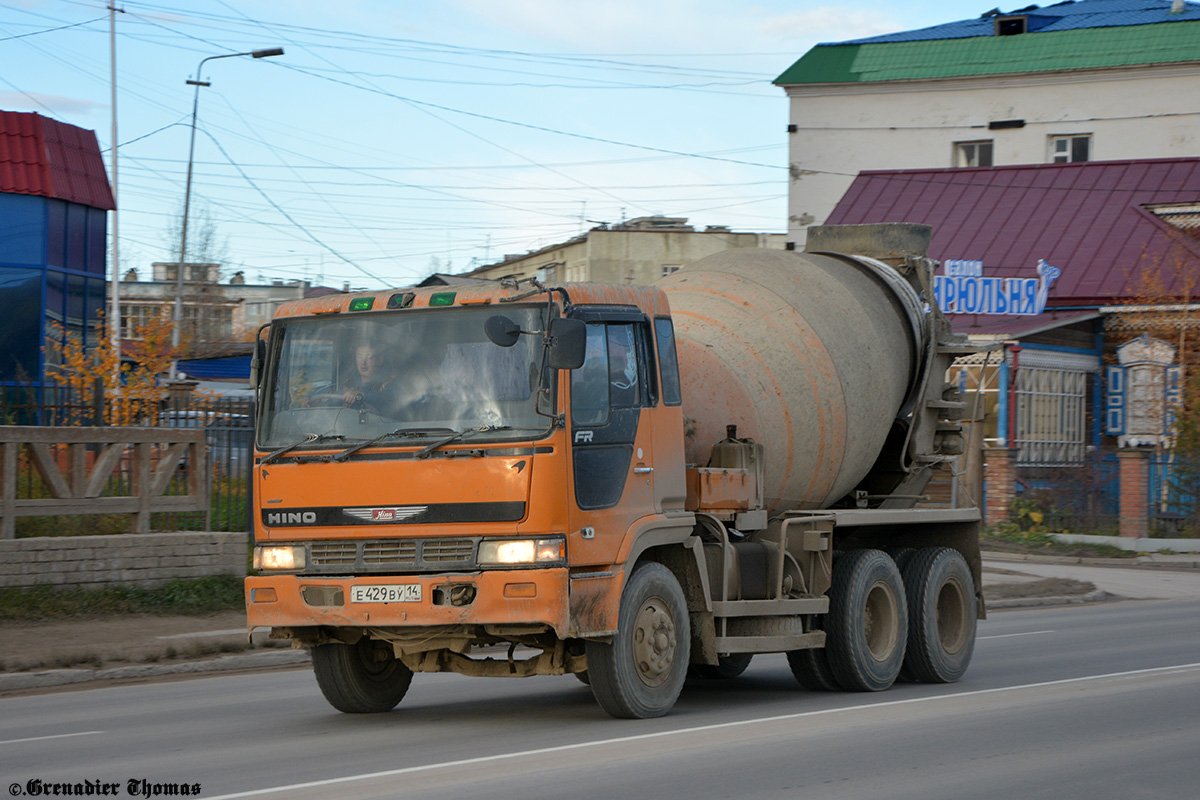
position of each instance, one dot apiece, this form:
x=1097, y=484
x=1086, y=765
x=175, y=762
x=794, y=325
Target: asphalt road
x=1092, y=701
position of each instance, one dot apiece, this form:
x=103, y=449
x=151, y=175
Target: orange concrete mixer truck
x=630, y=484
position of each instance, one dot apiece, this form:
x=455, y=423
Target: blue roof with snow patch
x=1066, y=16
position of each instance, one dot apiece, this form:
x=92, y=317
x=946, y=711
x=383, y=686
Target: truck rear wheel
x=941, y=615
x=640, y=673
x=867, y=624
x=360, y=678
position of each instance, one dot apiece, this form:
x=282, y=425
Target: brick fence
x=96, y=562
x=1135, y=491
x=1000, y=483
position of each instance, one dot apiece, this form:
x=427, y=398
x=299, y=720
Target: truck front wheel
x=867, y=624
x=941, y=615
x=640, y=673
x=360, y=678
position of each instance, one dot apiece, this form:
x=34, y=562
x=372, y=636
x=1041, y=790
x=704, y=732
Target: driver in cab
x=372, y=381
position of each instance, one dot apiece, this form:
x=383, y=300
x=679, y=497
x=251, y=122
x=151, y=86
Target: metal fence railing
x=228, y=425
x=1087, y=498
x=1084, y=498
x=1174, y=496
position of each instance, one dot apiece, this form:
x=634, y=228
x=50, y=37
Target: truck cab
x=462, y=495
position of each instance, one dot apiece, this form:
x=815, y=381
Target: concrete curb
x=1096, y=596
x=1153, y=560
x=65, y=677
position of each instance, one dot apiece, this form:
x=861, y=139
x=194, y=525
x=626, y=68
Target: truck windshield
x=358, y=377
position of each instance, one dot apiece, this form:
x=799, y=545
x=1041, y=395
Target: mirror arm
x=256, y=360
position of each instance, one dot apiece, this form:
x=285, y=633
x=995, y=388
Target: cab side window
x=668, y=361
x=589, y=383
x=623, y=374
x=614, y=373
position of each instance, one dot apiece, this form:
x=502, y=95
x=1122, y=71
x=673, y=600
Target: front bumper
x=500, y=597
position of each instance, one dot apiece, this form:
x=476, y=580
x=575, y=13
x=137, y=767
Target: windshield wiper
x=454, y=437
x=399, y=432
x=309, y=438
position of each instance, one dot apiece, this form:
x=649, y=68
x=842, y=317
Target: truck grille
x=409, y=555
x=390, y=552
x=333, y=553
x=444, y=551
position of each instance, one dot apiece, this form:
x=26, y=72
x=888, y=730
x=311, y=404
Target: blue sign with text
x=964, y=290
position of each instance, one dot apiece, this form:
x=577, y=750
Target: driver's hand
x=350, y=397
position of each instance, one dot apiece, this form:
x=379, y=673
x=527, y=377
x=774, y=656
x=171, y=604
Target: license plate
x=386, y=593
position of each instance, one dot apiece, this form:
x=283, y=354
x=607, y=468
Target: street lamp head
x=187, y=190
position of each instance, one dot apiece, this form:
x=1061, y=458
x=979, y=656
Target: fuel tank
x=813, y=354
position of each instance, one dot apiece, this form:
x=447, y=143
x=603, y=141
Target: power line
x=475, y=135
x=288, y=216
x=51, y=30
x=478, y=167
x=590, y=61
x=527, y=125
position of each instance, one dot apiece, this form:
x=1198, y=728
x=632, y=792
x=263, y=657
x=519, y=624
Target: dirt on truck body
x=637, y=483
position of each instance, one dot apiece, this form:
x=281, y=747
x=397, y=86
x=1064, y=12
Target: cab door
x=612, y=437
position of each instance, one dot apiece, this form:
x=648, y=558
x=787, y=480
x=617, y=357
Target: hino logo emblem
x=292, y=518
x=583, y=436
x=385, y=514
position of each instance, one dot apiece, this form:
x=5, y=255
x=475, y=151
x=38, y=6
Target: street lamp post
x=187, y=193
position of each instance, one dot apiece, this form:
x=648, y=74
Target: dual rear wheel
x=883, y=622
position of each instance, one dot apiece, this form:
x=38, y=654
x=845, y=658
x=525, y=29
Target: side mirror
x=257, y=361
x=501, y=330
x=568, y=343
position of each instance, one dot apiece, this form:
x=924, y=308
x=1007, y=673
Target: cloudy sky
x=394, y=139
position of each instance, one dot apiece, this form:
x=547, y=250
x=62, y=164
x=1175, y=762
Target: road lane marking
x=468, y=762
x=1010, y=635
x=201, y=634
x=55, y=736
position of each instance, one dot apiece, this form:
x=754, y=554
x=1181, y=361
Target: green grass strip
x=185, y=597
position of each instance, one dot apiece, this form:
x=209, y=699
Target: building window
x=135, y=317
x=973, y=154
x=203, y=323
x=667, y=269
x=1011, y=26
x=1051, y=416
x=1068, y=149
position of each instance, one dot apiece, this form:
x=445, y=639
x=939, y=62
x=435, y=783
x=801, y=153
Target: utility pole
x=114, y=311
x=177, y=316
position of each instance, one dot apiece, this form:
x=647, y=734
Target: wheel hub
x=952, y=616
x=881, y=622
x=654, y=642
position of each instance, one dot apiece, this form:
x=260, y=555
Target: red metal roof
x=44, y=157
x=998, y=326
x=1089, y=219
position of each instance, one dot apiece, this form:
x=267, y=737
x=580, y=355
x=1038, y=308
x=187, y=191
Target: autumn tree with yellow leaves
x=132, y=392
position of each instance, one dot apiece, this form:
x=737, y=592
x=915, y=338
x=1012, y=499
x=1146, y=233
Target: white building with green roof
x=1089, y=80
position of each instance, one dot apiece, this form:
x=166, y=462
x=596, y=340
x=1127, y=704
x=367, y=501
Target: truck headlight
x=289, y=557
x=522, y=551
